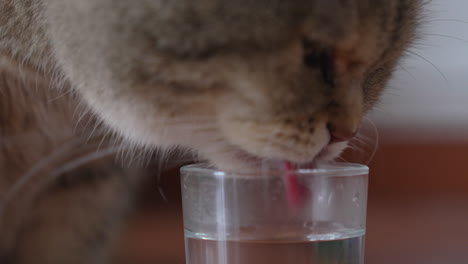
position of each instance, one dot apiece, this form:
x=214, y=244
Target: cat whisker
x=363, y=139
x=76, y=163
x=88, y=122
x=364, y=143
x=164, y=163
x=449, y=37
x=377, y=140
x=97, y=124
x=192, y=119
x=83, y=113
x=34, y=170
x=407, y=71
x=433, y=65
x=60, y=96
x=341, y=159
x=353, y=146
x=448, y=20
x=359, y=142
x=104, y=138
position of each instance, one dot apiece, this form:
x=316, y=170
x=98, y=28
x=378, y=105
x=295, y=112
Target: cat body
x=237, y=82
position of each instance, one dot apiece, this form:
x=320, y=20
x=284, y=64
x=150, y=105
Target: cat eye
x=321, y=59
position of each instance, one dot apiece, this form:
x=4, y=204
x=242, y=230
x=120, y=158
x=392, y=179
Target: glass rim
x=333, y=169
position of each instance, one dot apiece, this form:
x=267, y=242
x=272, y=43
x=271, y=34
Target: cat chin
x=332, y=151
x=238, y=160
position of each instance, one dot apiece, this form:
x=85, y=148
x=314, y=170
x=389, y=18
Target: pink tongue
x=296, y=193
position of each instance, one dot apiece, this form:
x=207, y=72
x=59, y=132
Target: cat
x=237, y=83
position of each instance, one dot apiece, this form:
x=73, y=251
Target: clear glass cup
x=309, y=216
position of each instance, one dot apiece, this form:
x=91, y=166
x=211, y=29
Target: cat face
x=237, y=81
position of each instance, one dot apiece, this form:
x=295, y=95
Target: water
x=348, y=250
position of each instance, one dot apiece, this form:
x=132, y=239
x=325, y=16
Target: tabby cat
x=237, y=83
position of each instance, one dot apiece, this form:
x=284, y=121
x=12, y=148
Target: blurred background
x=417, y=139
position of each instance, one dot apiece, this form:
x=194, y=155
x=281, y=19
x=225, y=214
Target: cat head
x=237, y=81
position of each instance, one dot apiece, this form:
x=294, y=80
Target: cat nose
x=340, y=133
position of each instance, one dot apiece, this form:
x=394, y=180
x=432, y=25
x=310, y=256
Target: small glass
x=249, y=218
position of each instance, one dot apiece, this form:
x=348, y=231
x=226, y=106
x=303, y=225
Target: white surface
x=419, y=101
